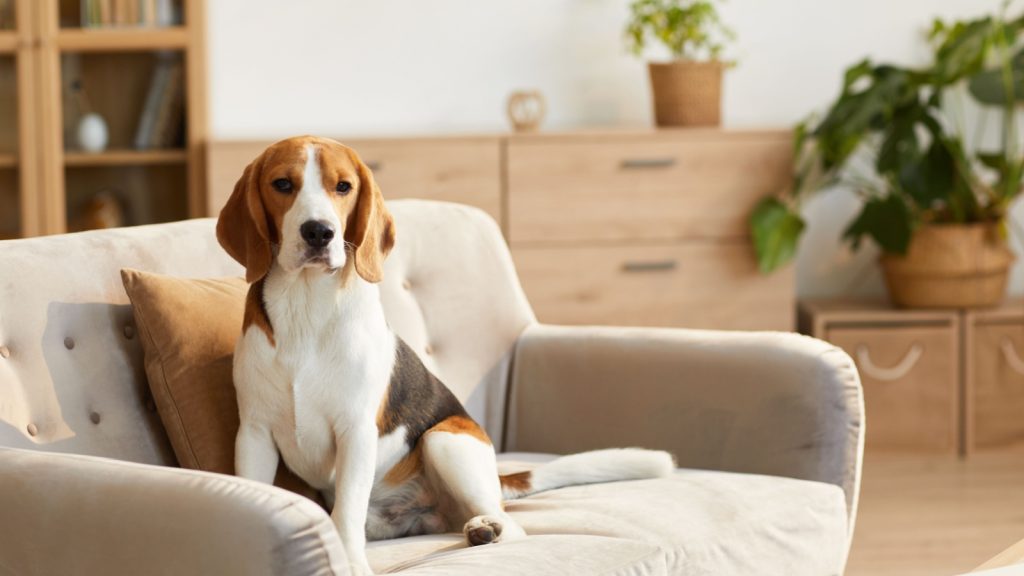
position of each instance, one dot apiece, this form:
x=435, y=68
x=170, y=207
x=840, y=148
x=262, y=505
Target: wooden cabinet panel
x=621, y=188
x=910, y=375
x=695, y=285
x=463, y=170
x=996, y=384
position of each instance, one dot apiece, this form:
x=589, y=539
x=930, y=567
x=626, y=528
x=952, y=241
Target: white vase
x=92, y=133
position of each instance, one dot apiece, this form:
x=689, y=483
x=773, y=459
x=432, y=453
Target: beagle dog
x=323, y=382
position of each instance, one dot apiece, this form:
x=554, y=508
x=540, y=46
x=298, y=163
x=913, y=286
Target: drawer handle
x=374, y=166
x=646, y=163
x=653, y=266
x=1012, y=358
x=901, y=369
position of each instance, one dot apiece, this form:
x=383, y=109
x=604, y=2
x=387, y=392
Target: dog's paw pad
x=482, y=530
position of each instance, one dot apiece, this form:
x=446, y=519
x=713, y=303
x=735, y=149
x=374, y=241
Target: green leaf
x=931, y=178
x=964, y=49
x=855, y=73
x=993, y=160
x=887, y=221
x=990, y=87
x=775, y=230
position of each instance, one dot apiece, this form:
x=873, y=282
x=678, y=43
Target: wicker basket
x=950, y=266
x=687, y=93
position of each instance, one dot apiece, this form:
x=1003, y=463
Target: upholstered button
x=32, y=430
x=69, y=343
x=429, y=350
x=406, y=284
x=129, y=331
x=94, y=417
x=5, y=352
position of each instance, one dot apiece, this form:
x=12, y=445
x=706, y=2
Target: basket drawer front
x=467, y=171
x=670, y=188
x=910, y=379
x=997, y=385
x=673, y=285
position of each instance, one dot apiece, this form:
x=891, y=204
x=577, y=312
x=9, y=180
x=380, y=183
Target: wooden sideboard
x=645, y=228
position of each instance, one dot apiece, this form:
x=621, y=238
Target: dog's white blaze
x=312, y=202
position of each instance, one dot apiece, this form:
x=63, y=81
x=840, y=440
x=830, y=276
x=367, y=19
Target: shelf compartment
x=122, y=39
x=75, y=158
x=144, y=194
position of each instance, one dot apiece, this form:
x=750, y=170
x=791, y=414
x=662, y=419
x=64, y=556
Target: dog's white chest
x=325, y=375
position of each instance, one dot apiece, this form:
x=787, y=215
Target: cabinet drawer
x=910, y=377
x=464, y=170
x=651, y=189
x=996, y=388
x=467, y=171
x=696, y=285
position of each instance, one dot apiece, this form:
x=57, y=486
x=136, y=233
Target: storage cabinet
x=994, y=389
x=56, y=65
x=942, y=380
x=643, y=228
x=910, y=374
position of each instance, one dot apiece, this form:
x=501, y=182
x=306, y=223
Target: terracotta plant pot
x=687, y=93
x=950, y=266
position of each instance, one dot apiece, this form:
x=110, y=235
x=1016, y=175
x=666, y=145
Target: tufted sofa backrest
x=71, y=367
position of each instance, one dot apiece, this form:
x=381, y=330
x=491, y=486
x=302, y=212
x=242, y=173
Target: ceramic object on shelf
x=93, y=135
x=526, y=110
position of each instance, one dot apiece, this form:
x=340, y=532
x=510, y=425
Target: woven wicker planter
x=950, y=266
x=687, y=93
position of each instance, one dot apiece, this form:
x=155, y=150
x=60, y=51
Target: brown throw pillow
x=188, y=329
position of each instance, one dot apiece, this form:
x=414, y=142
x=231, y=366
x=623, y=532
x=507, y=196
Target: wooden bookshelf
x=53, y=55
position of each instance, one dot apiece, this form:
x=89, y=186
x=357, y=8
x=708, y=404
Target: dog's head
x=310, y=203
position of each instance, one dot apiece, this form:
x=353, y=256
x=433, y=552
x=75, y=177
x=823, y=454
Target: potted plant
x=687, y=89
x=934, y=200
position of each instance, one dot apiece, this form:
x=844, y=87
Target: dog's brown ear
x=242, y=228
x=372, y=231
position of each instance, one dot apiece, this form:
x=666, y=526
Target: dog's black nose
x=316, y=234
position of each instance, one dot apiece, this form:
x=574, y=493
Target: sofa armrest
x=67, y=514
x=757, y=402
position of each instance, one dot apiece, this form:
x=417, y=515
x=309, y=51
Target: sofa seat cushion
x=696, y=522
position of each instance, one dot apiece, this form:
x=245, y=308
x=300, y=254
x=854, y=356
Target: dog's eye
x=343, y=187
x=282, y=185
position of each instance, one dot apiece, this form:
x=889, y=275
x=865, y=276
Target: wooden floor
x=932, y=515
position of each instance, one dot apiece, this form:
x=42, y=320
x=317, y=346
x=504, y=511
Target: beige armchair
x=767, y=427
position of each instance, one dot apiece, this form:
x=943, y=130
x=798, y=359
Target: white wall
x=376, y=67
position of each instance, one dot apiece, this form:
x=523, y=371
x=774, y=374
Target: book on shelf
x=112, y=13
x=162, y=115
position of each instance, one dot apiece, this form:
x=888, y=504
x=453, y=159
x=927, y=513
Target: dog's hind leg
x=462, y=463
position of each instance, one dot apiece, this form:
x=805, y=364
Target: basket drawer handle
x=650, y=266
x=1012, y=358
x=645, y=163
x=901, y=369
